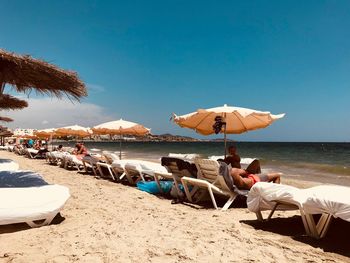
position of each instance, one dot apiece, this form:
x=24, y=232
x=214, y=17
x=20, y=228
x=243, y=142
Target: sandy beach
x=105, y=221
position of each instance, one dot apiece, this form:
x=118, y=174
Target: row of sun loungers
x=203, y=174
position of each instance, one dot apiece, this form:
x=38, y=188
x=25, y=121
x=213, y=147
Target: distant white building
x=23, y=132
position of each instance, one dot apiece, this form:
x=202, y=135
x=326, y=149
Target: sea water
x=296, y=159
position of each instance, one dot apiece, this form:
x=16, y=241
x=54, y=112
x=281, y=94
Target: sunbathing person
x=244, y=180
x=80, y=151
x=58, y=149
x=42, y=151
x=235, y=160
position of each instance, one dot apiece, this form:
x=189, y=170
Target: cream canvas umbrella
x=120, y=127
x=74, y=130
x=44, y=133
x=226, y=119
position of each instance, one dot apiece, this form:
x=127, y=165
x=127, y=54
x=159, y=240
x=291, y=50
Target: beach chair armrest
x=164, y=175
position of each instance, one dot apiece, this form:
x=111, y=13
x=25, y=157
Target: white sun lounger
x=209, y=179
x=327, y=200
x=110, y=158
x=138, y=170
x=26, y=197
x=29, y=204
x=30, y=152
x=90, y=161
x=71, y=161
x=118, y=167
x=8, y=165
x=174, y=172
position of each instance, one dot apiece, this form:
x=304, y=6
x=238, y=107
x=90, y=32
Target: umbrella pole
x=120, y=146
x=225, y=134
x=225, y=139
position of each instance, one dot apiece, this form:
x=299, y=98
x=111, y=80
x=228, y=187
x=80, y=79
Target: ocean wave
x=185, y=156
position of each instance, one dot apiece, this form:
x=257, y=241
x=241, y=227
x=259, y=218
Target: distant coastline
x=149, y=138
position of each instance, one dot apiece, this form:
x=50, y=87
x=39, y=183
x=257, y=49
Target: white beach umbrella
x=74, y=130
x=44, y=133
x=226, y=119
x=120, y=127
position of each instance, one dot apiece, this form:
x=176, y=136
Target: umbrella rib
x=235, y=113
x=259, y=119
x=203, y=119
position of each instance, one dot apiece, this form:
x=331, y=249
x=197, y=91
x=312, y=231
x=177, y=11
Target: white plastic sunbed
x=29, y=204
x=107, y=165
x=208, y=178
x=118, y=167
x=8, y=165
x=26, y=197
x=327, y=200
x=137, y=170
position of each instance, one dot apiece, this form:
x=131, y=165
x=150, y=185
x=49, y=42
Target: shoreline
x=104, y=221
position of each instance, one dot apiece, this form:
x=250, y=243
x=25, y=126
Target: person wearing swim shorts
x=244, y=180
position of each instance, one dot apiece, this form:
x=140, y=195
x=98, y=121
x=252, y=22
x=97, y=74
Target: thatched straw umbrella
x=4, y=132
x=11, y=103
x=25, y=73
x=5, y=119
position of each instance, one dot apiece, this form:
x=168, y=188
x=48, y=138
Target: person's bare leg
x=254, y=167
x=274, y=177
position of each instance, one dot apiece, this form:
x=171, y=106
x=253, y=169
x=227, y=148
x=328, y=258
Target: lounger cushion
x=330, y=199
x=20, y=179
x=263, y=196
x=8, y=165
x=27, y=204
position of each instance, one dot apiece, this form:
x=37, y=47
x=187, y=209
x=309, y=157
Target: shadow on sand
x=336, y=240
x=4, y=229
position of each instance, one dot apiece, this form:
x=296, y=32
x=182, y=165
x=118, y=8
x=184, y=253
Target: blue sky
x=143, y=60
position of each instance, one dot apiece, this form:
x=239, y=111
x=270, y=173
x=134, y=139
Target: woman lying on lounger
x=244, y=180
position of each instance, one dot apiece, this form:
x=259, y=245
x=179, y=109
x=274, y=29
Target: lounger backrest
x=171, y=164
x=110, y=157
x=207, y=170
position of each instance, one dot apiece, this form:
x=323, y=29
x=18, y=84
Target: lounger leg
x=306, y=222
x=94, y=169
x=111, y=173
x=229, y=202
x=272, y=211
x=323, y=224
x=122, y=176
x=187, y=192
x=312, y=226
x=47, y=221
x=84, y=165
x=156, y=179
x=212, y=197
x=128, y=176
x=259, y=216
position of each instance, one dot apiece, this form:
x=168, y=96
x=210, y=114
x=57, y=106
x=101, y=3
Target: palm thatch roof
x=25, y=73
x=11, y=103
x=5, y=119
x=5, y=132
